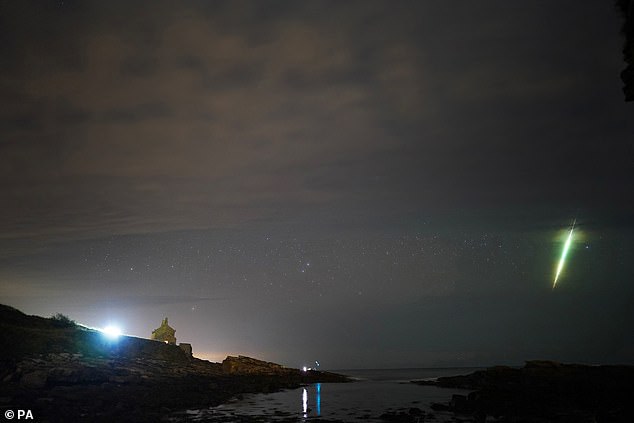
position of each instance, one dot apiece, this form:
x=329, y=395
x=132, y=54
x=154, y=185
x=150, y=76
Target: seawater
x=374, y=392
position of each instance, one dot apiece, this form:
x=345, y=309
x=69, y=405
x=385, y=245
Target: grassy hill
x=22, y=335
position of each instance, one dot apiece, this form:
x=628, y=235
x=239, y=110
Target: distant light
x=305, y=368
x=112, y=332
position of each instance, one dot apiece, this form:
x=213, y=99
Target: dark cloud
x=140, y=66
x=21, y=123
x=137, y=113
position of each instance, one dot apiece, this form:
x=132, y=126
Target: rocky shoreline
x=63, y=386
x=543, y=391
x=62, y=372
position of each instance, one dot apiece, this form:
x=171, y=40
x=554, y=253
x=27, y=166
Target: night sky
x=367, y=184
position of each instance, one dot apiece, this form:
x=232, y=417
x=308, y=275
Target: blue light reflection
x=318, y=399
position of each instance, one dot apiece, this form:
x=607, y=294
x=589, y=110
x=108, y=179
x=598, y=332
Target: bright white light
x=305, y=368
x=111, y=332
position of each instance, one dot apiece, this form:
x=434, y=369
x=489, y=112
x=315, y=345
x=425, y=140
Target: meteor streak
x=564, y=253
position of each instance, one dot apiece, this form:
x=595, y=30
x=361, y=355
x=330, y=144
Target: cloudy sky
x=368, y=184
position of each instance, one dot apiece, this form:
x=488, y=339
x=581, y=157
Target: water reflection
x=318, y=399
x=306, y=410
x=366, y=400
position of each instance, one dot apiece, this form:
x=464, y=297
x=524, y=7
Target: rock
x=415, y=411
x=479, y=417
x=118, y=379
x=187, y=348
x=399, y=417
x=63, y=375
x=543, y=391
x=437, y=406
x=460, y=404
x=34, y=380
x=248, y=365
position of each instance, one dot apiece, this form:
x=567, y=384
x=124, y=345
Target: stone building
x=165, y=333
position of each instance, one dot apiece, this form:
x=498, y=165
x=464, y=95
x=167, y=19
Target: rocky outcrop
x=247, y=365
x=187, y=348
x=75, y=387
x=544, y=391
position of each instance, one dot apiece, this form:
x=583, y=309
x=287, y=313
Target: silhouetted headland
x=65, y=372
x=543, y=391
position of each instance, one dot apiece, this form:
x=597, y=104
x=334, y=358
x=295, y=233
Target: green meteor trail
x=564, y=253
